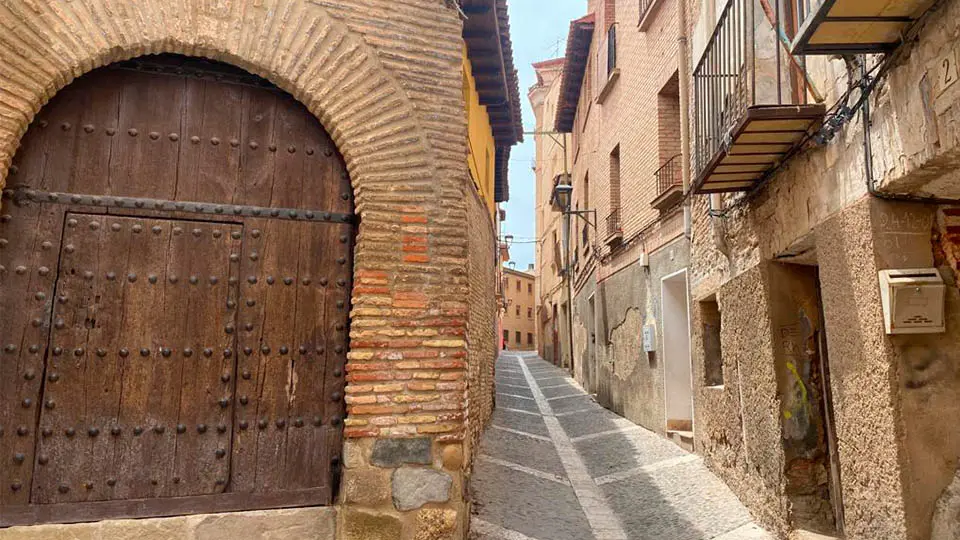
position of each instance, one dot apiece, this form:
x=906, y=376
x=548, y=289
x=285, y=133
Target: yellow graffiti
x=803, y=390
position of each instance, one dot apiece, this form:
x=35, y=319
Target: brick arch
x=297, y=45
x=394, y=112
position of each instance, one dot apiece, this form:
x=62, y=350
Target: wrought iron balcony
x=645, y=6
x=669, y=184
x=754, y=103
x=853, y=26
x=614, y=227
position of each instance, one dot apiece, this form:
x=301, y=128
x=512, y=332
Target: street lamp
x=562, y=193
x=561, y=198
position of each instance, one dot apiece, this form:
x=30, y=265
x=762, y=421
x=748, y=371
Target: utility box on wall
x=649, y=338
x=913, y=301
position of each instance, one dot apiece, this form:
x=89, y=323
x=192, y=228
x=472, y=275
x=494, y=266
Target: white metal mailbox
x=913, y=301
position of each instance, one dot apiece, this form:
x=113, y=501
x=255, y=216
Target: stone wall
x=481, y=327
x=816, y=211
x=737, y=428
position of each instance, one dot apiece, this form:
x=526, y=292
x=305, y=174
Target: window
x=529, y=338
x=611, y=49
x=529, y=313
x=518, y=310
x=710, y=342
x=613, y=220
x=668, y=119
x=519, y=337
x=506, y=337
x=519, y=285
x=529, y=288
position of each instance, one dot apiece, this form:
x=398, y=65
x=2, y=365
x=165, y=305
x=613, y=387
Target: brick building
x=519, y=322
x=824, y=183
x=553, y=164
x=269, y=228
x=617, y=101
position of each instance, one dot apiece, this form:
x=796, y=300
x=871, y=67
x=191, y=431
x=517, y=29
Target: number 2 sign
x=947, y=73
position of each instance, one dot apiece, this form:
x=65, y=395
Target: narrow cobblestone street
x=555, y=465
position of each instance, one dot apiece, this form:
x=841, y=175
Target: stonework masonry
x=385, y=80
x=813, y=240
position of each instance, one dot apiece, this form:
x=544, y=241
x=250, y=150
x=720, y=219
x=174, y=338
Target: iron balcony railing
x=669, y=175
x=803, y=8
x=613, y=223
x=745, y=64
x=645, y=6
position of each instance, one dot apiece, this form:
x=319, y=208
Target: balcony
x=853, y=26
x=614, y=227
x=647, y=10
x=753, y=103
x=669, y=185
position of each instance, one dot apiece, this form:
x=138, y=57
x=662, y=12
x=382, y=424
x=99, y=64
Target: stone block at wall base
x=363, y=525
x=288, y=524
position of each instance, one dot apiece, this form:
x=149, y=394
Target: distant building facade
x=618, y=102
x=519, y=319
x=553, y=165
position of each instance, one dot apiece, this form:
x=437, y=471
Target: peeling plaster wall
x=626, y=379
x=584, y=349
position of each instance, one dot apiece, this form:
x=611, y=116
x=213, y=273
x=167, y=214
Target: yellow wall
x=482, y=149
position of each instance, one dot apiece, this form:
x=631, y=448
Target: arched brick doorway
x=176, y=272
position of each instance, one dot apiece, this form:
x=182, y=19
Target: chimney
x=530, y=267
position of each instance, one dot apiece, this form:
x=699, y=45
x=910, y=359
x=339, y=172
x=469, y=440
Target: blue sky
x=538, y=29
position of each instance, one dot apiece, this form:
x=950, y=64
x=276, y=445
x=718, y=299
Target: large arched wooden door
x=175, y=268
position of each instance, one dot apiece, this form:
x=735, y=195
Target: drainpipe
x=568, y=275
x=683, y=52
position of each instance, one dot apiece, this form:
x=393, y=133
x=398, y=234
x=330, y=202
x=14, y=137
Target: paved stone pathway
x=555, y=465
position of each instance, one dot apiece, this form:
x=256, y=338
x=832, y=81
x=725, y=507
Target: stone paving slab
x=511, y=402
x=572, y=403
x=532, y=506
x=523, y=422
x=599, y=419
x=566, y=390
x=532, y=453
x=615, y=453
x=685, y=502
x=514, y=390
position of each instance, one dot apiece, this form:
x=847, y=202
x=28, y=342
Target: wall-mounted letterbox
x=913, y=301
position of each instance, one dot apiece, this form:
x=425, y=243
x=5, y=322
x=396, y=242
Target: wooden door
x=176, y=259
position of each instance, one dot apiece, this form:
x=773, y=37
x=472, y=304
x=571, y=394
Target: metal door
x=175, y=270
